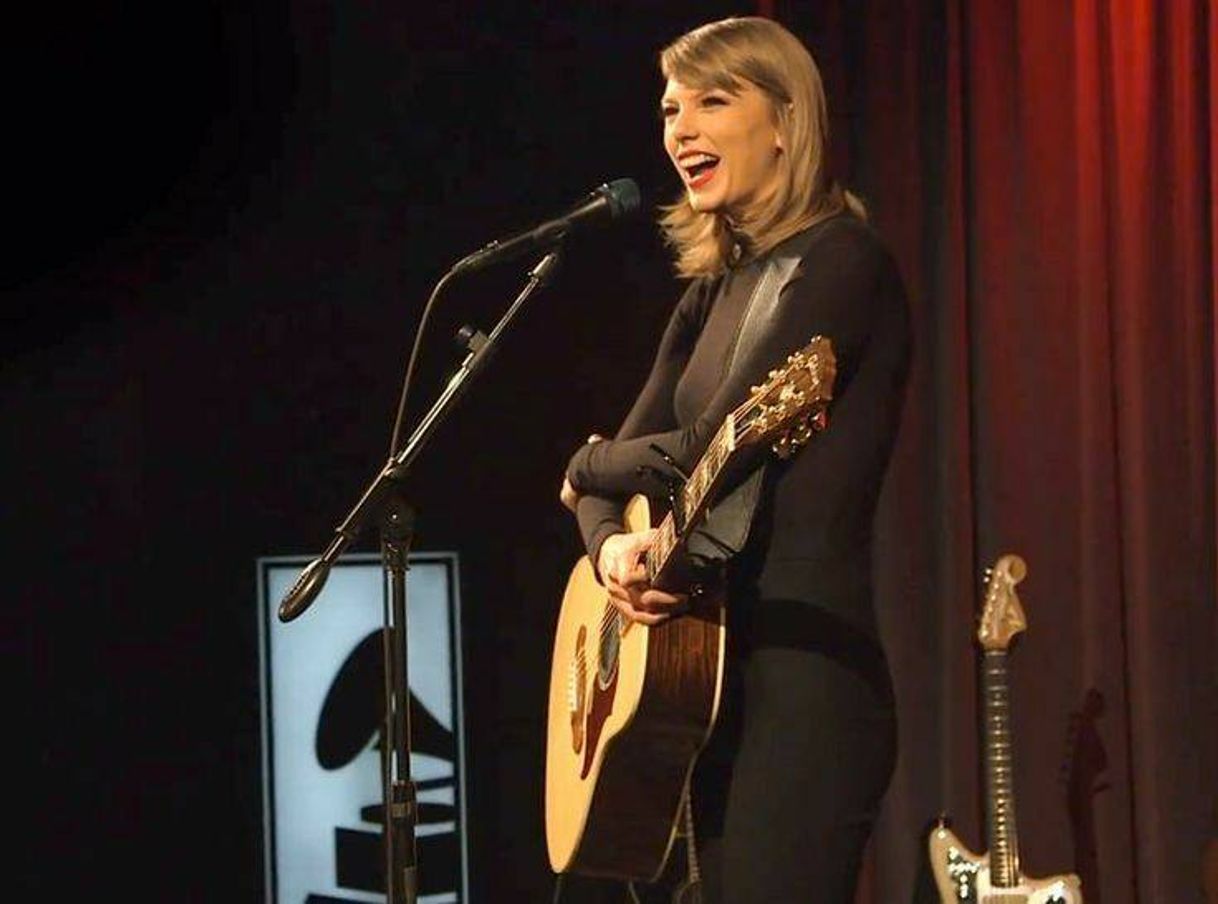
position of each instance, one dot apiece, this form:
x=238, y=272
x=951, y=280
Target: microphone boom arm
x=313, y=578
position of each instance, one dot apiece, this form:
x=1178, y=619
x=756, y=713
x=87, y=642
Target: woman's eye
x=714, y=100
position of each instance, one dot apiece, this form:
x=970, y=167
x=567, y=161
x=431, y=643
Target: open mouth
x=699, y=169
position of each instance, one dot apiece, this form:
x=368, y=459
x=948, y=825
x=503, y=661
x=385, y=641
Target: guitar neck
x=694, y=497
x=999, y=771
x=783, y=413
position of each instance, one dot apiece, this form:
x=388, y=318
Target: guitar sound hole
x=610, y=642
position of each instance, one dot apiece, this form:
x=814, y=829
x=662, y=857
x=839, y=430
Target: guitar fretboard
x=999, y=772
x=709, y=466
x=694, y=496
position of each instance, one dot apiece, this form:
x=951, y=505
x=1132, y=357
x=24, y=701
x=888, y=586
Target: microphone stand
x=400, y=809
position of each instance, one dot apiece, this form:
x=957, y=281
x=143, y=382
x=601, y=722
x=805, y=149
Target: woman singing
x=785, y=794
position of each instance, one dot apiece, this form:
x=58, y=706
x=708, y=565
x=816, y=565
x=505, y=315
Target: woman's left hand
x=620, y=565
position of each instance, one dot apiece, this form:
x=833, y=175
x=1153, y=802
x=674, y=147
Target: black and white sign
x=322, y=701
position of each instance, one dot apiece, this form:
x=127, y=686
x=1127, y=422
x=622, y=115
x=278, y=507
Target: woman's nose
x=684, y=125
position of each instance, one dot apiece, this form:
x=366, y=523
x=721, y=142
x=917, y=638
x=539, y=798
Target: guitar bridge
x=577, y=691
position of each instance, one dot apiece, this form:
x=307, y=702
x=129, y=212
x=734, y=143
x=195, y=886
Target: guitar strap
x=725, y=530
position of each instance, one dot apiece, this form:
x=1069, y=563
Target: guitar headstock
x=792, y=403
x=1002, y=618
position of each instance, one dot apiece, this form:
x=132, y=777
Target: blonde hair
x=761, y=52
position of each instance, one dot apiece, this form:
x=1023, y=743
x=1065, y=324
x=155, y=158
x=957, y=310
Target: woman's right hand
x=624, y=574
x=567, y=495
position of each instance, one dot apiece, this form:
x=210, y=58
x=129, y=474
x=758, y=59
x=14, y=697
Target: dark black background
x=225, y=219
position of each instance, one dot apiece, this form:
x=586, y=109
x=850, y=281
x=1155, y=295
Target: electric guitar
x=995, y=878
x=630, y=706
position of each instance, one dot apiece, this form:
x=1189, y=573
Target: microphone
x=612, y=200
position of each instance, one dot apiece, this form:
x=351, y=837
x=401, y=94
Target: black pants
x=790, y=783
x=788, y=789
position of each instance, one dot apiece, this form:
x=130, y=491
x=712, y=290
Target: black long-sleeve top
x=811, y=539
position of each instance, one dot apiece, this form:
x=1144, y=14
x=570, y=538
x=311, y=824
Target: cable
x=414, y=354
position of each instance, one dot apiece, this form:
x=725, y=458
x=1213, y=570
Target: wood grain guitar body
x=630, y=707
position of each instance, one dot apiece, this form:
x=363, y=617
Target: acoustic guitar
x=631, y=706
x=995, y=878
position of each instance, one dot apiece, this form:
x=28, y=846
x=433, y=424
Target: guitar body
x=630, y=707
x=962, y=876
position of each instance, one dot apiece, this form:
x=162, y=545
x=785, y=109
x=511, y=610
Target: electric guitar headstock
x=792, y=403
x=1002, y=617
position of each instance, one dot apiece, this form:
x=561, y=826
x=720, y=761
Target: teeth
x=698, y=160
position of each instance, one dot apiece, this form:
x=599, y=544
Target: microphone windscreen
x=623, y=196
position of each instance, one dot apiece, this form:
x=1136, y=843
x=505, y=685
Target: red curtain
x=1045, y=172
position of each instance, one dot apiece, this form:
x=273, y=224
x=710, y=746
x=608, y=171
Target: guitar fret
x=705, y=473
x=664, y=543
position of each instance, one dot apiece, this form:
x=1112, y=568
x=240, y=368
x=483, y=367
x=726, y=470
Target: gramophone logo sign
x=323, y=708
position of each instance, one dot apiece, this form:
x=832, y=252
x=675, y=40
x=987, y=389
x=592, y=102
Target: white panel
x=307, y=803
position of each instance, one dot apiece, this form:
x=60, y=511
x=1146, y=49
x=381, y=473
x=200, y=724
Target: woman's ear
x=788, y=109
